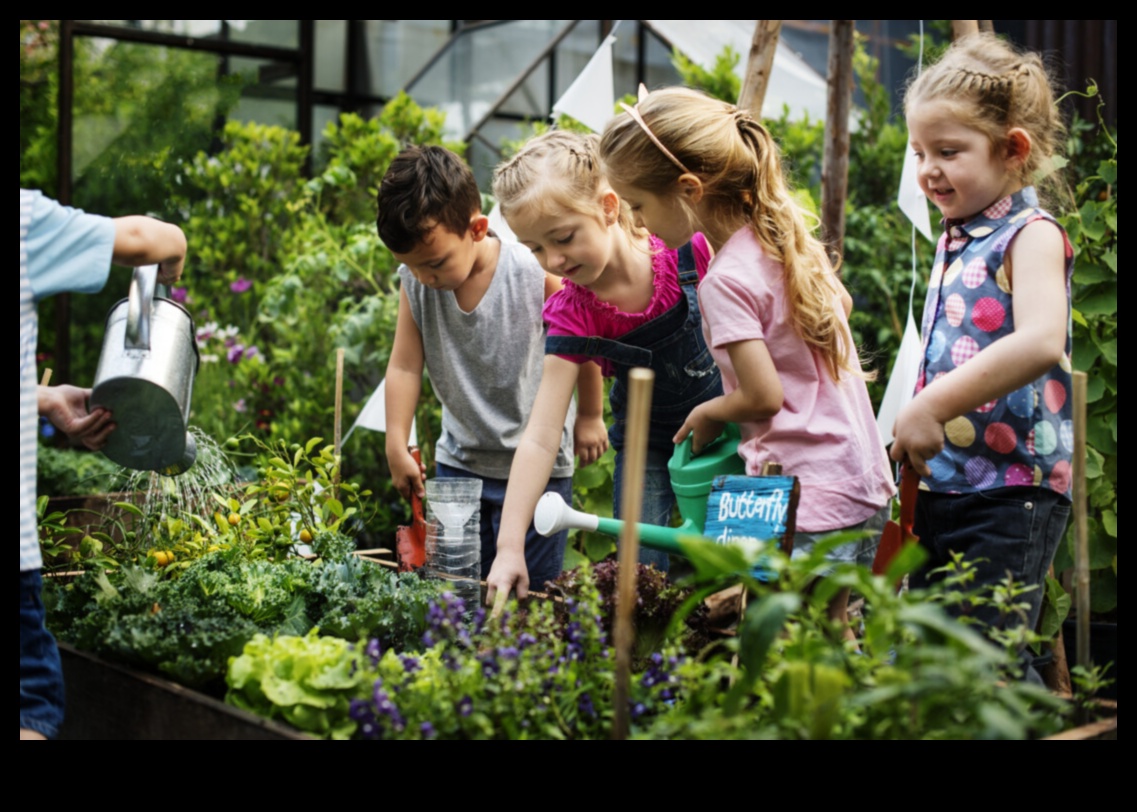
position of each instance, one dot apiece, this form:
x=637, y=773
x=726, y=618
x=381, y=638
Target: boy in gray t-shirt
x=470, y=314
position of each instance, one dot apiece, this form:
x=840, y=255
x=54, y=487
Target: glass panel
x=480, y=65
x=280, y=33
x=268, y=91
x=331, y=48
x=574, y=52
x=397, y=50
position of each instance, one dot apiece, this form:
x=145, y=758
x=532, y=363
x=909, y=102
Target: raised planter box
x=109, y=701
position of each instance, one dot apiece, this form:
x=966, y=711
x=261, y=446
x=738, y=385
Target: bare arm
x=758, y=396
x=140, y=240
x=529, y=474
x=403, y=387
x=590, y=435
x=1036, y=265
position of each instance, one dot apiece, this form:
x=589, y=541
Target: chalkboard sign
x=760, y=507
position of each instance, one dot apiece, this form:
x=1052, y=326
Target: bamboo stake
x=640, y=382
x=338, y=418
x=759, y=66
x=1081, y=527
x=46, y=377
x=963, y=28
x=835, y=163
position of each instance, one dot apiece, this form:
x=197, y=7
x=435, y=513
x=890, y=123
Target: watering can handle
x=729, y=433
x=142, y=286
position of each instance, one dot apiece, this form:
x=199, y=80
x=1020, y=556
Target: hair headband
x=639, y=119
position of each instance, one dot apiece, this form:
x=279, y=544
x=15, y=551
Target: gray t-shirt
x=485, y=365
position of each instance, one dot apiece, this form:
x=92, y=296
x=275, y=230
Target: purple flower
x=241, y=406
x=235, y=352
x=410, y=663
x=427, y=730
x=241, y=285
x=465, y=706
x=179, y=295
x=373, y=651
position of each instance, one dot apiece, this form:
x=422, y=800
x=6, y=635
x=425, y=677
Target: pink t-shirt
x=825, y=433
x=576, y=311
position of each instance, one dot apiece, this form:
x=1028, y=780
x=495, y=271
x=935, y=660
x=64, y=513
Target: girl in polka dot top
x=989, y=429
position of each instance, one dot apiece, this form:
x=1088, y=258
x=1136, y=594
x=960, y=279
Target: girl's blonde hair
x=992, y=88
x=740, y=169
x=556, y=172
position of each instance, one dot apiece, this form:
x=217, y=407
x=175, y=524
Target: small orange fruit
x=234, y=518
x=305, y=535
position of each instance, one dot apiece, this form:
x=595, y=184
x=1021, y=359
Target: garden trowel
x=410, y=542
x=895, y=535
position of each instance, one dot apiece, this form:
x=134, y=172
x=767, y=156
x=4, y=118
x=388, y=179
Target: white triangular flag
x=591, y=98
x=498, y=225
x=374, y=415
x=902, y=381
x=911, y=198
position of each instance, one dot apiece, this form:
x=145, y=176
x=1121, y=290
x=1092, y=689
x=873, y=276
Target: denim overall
x=672, y=346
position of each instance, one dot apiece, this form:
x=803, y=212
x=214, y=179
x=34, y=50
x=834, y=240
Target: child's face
x=665, y=217
x=443, y=260
x=957, y=167
x=571, y=245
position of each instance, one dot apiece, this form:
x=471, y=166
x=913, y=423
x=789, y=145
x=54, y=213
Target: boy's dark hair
x=425, y=187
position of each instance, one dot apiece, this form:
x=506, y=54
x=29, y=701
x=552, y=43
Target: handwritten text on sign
x=760, y=507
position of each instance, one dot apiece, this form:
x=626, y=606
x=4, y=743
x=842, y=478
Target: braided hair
x=992, y=88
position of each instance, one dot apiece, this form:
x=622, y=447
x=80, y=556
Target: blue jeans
x=41, y=674
x=544, y=557
x=658, y=500
x=1003, y=530
x=861, y=552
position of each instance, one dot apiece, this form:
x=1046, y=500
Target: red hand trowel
x=895, y=536
x=410, y=542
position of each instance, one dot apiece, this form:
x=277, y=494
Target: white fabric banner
x=591, y=98
x=911, y=199
x=902, y=381
x=374, y=415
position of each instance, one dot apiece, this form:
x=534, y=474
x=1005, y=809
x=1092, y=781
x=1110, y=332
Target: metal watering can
x=691, y=479
x=145, y=378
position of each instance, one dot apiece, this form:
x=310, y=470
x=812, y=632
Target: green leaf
x=1109, y=522
x=127, y=507
x=1110, y=259
x=763, y=623
x=1108, y=350
x=1089, y=273
x=1094, y=463
x=1099, y=303
x=1108, y=171
x=1054, y=609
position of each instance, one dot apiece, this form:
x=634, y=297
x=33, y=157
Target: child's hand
x=590, y=439
x=704, y=428
x=919, y=437
x=406, y=474
x=66, y=407
x=508, y=572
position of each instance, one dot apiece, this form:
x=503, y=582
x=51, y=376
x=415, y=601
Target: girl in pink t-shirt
x=628, y=300
x=775, y=312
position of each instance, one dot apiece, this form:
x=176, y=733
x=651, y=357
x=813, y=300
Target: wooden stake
x=835, y=163
x=640, y=383
x=1081, y=526
x=759, y=66
x=338, y=417
x=963, y=28
x=46, y=377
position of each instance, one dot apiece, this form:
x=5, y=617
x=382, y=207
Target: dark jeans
x=41, y=675
x=544, y=557
x=1003, y=530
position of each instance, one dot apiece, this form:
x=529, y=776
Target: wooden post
x=338, y=418
x=1081, y=527
x=640, y=382
x=835, y=165
x=759, y=65
x=963, y=28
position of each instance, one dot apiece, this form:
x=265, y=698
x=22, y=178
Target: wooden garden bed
x=110, y=701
